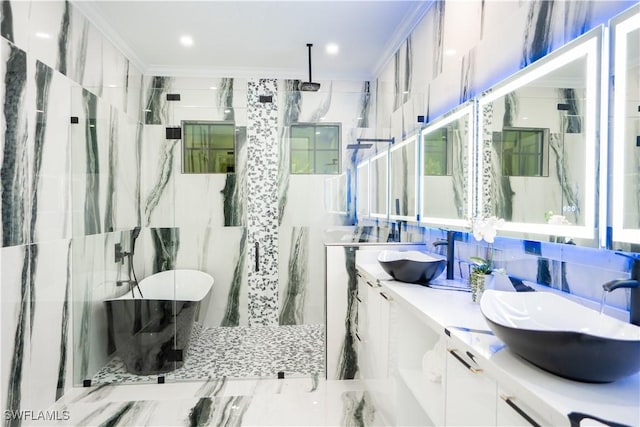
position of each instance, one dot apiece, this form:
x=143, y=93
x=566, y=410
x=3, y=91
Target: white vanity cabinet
x=374, y=307
x=418, y=366
x=470, y=392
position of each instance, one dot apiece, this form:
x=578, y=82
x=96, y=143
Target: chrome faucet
x=633, y=284
x=450, y=243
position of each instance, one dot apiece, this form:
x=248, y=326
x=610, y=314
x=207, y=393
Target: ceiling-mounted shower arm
x=368, y=143
x=309, y=47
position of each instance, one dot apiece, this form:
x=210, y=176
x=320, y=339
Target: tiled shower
x=212, y=223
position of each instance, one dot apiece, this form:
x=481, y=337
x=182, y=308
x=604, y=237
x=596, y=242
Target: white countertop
x=617, y=402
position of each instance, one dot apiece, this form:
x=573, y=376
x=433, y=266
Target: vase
x=479, y=282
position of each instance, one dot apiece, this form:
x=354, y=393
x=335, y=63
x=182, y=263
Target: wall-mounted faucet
x=634, y=284
x=119, y=256
x=450, y=243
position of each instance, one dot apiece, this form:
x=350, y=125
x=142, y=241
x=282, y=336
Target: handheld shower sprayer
x=134, y=235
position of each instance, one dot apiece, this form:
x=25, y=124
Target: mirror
x=446, y=168
x=378, y=185
x=403, y=191
x=362, y=186
x=625, y=177
x=538, y=154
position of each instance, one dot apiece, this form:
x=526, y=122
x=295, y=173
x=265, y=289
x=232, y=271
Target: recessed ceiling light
x=186, y=40
x=450, y=52
x=213, y=88
x=332, y=49
x=43, y=35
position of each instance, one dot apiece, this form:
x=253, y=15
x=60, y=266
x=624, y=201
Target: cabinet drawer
x=513, y=410
x=470, y=393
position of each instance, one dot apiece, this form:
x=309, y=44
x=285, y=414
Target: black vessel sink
x=562, y=336
x=411, y=266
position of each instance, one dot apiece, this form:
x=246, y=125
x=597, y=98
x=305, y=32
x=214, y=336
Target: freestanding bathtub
x=151, y=333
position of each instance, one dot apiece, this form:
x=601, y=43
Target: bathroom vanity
x=428, y=357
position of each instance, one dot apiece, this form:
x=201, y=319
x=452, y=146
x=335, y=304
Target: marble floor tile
x=285, y=402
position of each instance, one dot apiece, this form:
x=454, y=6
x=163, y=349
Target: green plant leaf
x=478, y=261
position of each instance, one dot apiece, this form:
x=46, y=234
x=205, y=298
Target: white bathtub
x=179, y=285
x=151, y=333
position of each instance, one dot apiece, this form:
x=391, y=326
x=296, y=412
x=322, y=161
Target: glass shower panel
x=110, y=226
x=208, y=239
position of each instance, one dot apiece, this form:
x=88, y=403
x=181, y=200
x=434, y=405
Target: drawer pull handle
x=454, y=353
x=370, y=284
x=358, y=298
x=384, y=296
x=358, y=337
x=508, y=400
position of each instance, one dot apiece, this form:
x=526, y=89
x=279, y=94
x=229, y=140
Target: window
x=315, y=148
x=436, y=153
x=524, y=152
x=208, y=147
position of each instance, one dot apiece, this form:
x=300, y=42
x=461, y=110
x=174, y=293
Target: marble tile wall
x=441, y=67
x=55, y=65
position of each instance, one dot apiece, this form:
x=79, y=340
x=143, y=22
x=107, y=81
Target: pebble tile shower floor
x=238, y=352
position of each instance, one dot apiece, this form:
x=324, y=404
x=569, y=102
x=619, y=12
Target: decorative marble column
x=262, y=202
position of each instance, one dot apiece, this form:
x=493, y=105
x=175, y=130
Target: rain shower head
x=359, y=146
x=309, y=86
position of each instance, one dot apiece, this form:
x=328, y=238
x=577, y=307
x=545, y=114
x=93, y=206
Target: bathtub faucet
x=133, y=284
x=126, y=282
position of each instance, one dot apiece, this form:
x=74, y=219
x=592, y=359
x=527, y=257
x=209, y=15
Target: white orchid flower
x=486, y=229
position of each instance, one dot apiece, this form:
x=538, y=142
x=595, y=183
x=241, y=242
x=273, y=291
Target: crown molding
x=91, y=12
x=411, y=20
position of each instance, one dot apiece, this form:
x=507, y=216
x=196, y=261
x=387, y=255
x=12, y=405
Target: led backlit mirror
x=403, y=185
x=362, y=196
x=378, y=184
x=625, y=175
x=446, y=168
x=538, y=150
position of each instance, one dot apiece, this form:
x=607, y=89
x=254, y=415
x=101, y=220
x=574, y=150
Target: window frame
x=543, y=153
x=208, y=150
x=316, y=150
x=446, y=152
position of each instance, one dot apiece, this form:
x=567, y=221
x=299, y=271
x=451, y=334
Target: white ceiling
x=257, y=38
